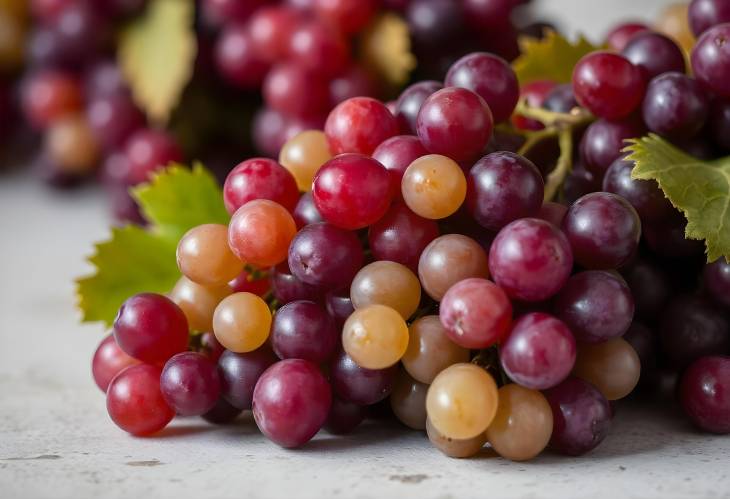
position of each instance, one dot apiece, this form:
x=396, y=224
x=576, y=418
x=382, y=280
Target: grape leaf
x=157, y=55
x=700, y=189
x=177, y=199
x=136, y=259
x=551, y=58
x=386, y=48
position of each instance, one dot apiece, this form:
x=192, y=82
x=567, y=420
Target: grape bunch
x=437, y=255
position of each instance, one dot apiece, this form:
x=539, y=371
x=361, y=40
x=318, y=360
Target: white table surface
x=56, y=439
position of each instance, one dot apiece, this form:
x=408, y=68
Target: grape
x=433, y=186
x=643, y=341
x=609, y=85
x=108, y=361
x=222, y=12
x=462, y=401
x=339, y=307
x=295, y=90
x=410, y=101
x=502, y=187
x=386, y=283
x=433, y=22
x=488, y=14
x=673, y=22
x=455, y=122
x=241, y=322
x=151, y=328
x=352, y=191
x=539, y=351
x=48, y=95
x=79, y=32
x=190, y=384
x=260, y=232
x=449, y=259
x=355, y=81
x=619, y=37
x=719, y=123
x=455, y=447
x=476, y=313
x=375, y=336
x=711, y=59
x=396, y=154
x=203, y=256
x=47, y=11
x=221, y=413
x=259, y=178
x=291, y=402
x=644, y=195
x=104, y=79
x=237, y=58
x=691, y=328
x=319, y=47
x=351, y=16
x=603, y=141
x=149, y=150
x=306, y=212
x=408, y=401
x=325, y=256
x=358, y=385
x=344, y=417
x=491, y=78
x=135, y=403
x=581, y=417
x=675, y=106
x=401, y=236
x=210, y=347
x=287, y=288
x=666, y=237
x=239, y=373
x=198, y=302
x=704, y=393
x=523, y=424
x=560, y=99
x=303, y=154
x=596, y=305
x=578, y=183
x=113, y=119
x=530, y=259
x=654, y=53
x=269, y=30
x=251, y=280
x=303, y=330
x=71, y=145
x=603, y=230
x=716, y=280
x=430, y=350
x=269, y=130
x=534, y=94
x=612, y=366
x=359, y=125
x=704, y=14
x=552, y=212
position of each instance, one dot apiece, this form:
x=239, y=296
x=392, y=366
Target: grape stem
x=563, y=166
x=533, y=138
x=577, y=116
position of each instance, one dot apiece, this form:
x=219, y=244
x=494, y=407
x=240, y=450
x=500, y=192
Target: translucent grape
x=359, y=125
x=430, y=350
x=241, y=322
x=259, y=178
x=303, y=154
x=433, y=186
x=135, y=402
x=386, y=283
x=109, y=360
x=449, y=259
x=458, y=448
x=203, y=256
x=260, y=233
x=612, y=366
x=198, y=302
x=375, y=336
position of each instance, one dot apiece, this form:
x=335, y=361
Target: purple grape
x=303, y=330
x=325, y=256
x=654, y=53
x=396, y=154
x=603, y=230
x=720, y=123
x=704, y=14
x=410, y=102
x=287, y=288
x=675, y=106
x=560, y=99
x=104, y=79
x=359, y=385
x=643, y=340
x=552, y=212
x=539, y=352
x=644, y=195
x=239, y=373
x=711, y=59
x=716, y=280
x=222, y=413
x=580, y=182
x=113, y=119
x=502, y=187
x=603, y=141
x=581, y=417
x=650, y=288
x=666, y=237
x=704, y=393
x=491, y=78
x=434, y=22
x=306, y=212
x=339, y=307
x=291, y=402
x=344, y=417
x=530, y=259
x=691, y=328
x=190, y=384
x=596, y=305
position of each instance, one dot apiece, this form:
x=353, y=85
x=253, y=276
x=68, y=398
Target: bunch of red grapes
x=406, y=253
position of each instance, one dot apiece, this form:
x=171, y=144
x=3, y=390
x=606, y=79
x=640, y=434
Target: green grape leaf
x=177, y=199
x=700, y=189
x=137, y=259
x=157, y=55
x=551, y=58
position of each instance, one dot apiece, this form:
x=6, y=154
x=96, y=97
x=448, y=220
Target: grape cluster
x=422, y=264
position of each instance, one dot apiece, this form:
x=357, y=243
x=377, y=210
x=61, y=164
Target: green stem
x=575, y=117
x=563, y=166
x=533, y=138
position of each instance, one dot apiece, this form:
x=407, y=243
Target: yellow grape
x=449, y=259
x=612, y=366
x=455, y=447
x=198, y=302
x=408, y=401
x=433, y=186
x=303, y=154
x=429, y=350
x=674, y=23
x=203, y=256
x=70, y=143
x=241, y=322
x=386, y=283
x=375, y=337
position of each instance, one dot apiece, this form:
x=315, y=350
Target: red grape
x=108, y=361
x=359, y=125
x=239, y=373
x=705, y=393
x=190, y=384
x=135, y=402
x=259, y=178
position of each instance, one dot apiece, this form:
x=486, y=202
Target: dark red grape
x=259, y=178
x=650, y=288
x=603, y=141
x=222, y=413
x=433, y=22
x=304, y=330
x=319, y=47
x=339, y=307
x=359, y=385
x=711, y=59
x=666, y=237
x=619, y=37
x=705, y=393
x=149, y=150
x=113, y=119
x=295, y=90
x=560, y=99
x=108, y=361
x=359, y=125
x=270, y=30
x=355, y=81
x=654, y=53
x=190, y=384
x=410, y=101
x=720, y=123
x=581, y=417
x=534, y=94
x=135, y=402
x=704, y=14
x=287, y=288
x=344, y=417
x=642, y=339
x=552, y=212
x=675, y=106
x=351, y=16
x=396, y=154
x=644, y=195
x=210, y=347
x=488, y=14
x=239, y=373
x=291, y=402
x=221, y=12
x=103, y=79
x=578, y=183
x=237, y=58
x=716, y=280
x=305, y=212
